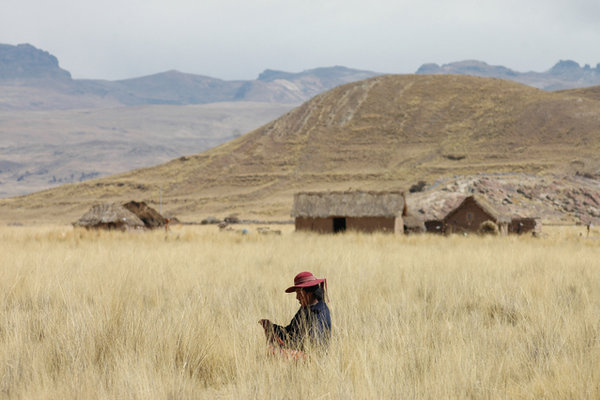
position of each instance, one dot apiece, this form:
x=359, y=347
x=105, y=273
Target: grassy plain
x=109, y=315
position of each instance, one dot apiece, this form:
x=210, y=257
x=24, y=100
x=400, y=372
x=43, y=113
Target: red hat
x=304, y=279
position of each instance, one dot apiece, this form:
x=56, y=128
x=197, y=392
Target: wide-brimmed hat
x=304, y=279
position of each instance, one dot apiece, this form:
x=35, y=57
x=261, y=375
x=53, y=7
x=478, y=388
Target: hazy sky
x=237, y=39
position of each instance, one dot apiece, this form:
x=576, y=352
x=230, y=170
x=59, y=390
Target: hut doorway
x=339, y=225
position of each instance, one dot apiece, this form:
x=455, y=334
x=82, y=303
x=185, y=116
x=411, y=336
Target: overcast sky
x=237, y=39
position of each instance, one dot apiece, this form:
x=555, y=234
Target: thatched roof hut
x=109, y=216
x=149, y=216
x=366, y=211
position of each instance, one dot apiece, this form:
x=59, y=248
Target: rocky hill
x=26, y=63
x=566, y=74
x=387, y=132
x=568, y=199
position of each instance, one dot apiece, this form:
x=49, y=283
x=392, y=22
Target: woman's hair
x=316, y=291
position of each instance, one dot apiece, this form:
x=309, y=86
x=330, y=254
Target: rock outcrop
x=24, y=62
x=568, y=199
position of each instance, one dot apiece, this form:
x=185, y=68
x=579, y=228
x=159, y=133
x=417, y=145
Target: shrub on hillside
x=488, y=228
x=417, y=187
x=210, y=220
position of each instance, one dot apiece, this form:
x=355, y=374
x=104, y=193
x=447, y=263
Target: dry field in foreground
x=97, y=315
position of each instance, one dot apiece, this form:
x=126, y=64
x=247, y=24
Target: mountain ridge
x=565, y=74
x=26, y=66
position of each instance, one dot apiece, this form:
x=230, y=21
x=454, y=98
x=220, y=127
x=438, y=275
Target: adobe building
x=435, y=226
x=471, y=213
x=522, y=225
x=362, y=211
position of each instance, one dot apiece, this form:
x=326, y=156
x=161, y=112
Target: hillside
x=592, y=93
x=42, y=149
x=56, y=130
x=386, y=132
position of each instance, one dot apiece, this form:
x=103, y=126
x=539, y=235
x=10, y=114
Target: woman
x=311, y=326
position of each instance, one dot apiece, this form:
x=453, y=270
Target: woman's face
x=303, y=298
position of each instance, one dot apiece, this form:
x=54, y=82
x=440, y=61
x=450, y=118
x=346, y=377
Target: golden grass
x=152, y=315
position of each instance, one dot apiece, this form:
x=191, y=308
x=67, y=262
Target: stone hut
x=363, y=211
x=471, y=213
x=109, y=216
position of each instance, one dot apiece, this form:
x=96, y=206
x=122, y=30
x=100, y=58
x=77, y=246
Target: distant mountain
x=26, y=63
x=175, y=87
x=564, y=75
x=32, y=80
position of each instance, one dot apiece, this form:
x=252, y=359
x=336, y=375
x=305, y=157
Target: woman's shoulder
x=321, y=306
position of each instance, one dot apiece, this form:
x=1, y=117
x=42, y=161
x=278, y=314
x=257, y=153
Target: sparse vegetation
x=418, y=187
x=488, y=228
x=86, y=314
x=455, y=157
x=210, y=221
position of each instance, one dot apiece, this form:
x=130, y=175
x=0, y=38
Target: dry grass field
x=109, y=315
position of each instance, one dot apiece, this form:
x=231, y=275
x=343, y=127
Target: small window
x=469, y=216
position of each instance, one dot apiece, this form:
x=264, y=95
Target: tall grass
x=100, y=315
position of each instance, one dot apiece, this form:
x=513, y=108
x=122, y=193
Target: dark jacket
x=311, y=323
